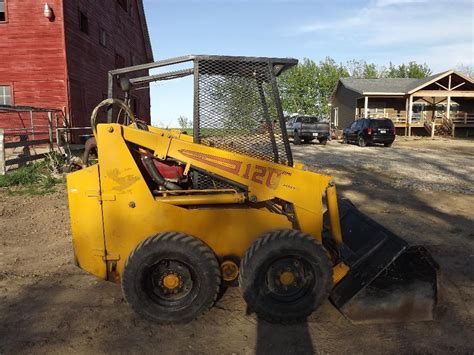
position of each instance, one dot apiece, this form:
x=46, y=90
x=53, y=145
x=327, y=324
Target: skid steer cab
x=175, y=217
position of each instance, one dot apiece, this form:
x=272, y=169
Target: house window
x=119, y=61
x=83, y=22
x=3, y=11
x=103, y=37
x=123, y=4
x=5, y=95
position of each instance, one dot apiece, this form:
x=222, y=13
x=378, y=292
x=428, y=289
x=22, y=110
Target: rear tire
x=171, y=278
x=362, y=142
x=387, y=144
x=297, y=139
x=344, y=139
x=323, y=141
x=289, y=298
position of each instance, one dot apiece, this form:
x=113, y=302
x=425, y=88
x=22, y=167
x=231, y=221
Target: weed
x=37, y=178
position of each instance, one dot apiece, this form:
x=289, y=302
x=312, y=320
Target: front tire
x=362, y=142
x=171, y=278
x=344, y=139
x=284, y=276
x=297, y=139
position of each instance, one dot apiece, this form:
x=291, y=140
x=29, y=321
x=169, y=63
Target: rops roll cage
x=263, y=69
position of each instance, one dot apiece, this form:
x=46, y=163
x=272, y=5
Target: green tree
x=410, y=70
x=328, y=75
x=307, y=87
x=184, y=122
x=371, y=71
x=299, y=88
x=362, y=69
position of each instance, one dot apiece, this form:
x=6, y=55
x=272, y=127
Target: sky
x=436, y=32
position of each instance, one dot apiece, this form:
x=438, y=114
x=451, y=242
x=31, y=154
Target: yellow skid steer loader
x=174, y=217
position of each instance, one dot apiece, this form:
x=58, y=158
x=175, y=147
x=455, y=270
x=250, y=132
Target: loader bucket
x=388, y=281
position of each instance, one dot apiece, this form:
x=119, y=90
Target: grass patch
x=38, y=178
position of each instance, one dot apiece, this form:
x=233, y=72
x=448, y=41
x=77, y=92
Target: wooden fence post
x=32, y=124
x=50, y=131
x=2, y=153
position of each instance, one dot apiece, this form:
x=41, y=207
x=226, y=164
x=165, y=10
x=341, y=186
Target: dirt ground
x=423, y=190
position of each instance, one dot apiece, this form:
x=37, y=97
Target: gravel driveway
x=420, y=164
x=420, y=189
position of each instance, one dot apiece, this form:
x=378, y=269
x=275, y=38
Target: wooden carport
x=437, y=89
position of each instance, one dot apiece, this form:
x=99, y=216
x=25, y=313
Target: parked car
x=369, y=131
x=307, y=128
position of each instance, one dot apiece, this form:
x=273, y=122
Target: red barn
x=56, y=53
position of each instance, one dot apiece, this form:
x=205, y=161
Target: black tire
x=362, y=142
x=387, y=144
x=189, y=259
x=323, y=141
x=308, y=140
x=344, y=139
x=297, y=139
x=266, y=295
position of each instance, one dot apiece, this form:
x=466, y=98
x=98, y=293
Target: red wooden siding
x=32, y=59
x=89, y=61
x=53, y=64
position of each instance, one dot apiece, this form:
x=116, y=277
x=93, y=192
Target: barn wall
x=89, y=61
x=32, y=55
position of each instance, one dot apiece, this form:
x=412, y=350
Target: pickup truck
x=307, y=128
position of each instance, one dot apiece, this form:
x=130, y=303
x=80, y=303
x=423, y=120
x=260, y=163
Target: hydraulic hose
x=108, y=102
x=156, y=176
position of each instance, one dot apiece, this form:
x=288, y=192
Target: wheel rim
x=170, y=282
x=288, y=279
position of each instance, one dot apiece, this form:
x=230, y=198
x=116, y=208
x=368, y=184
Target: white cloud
x=439, y=33
x=444, y=56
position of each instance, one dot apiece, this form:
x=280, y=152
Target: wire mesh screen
x=237, y=109
x=203, y=181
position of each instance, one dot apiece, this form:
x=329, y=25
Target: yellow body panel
x=86, y=220
x=131, y=213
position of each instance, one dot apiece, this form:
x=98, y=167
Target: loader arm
x=264, y=180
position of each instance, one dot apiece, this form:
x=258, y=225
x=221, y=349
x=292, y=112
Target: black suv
x=307, y=128
x=370, y=130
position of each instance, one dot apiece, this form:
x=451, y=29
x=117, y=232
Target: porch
x=435, y=108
